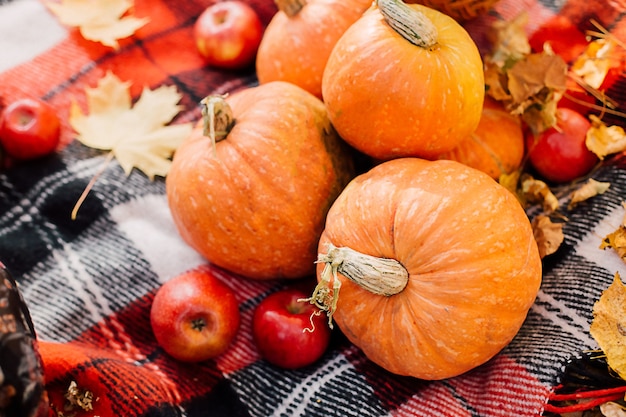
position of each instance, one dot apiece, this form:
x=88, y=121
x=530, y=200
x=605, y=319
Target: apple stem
x=290, y=7
x=381, y=276
x=218, y=118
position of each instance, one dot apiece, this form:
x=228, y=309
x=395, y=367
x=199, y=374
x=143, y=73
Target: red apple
x=280, y=327
x=29, y=129
x=228, y=34
x=560, y=153
x=194, y=316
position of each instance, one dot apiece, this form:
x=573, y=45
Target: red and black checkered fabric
x=89, y=282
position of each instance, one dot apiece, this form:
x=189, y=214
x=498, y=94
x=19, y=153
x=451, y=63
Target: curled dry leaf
x=548, y=235
x=103, y=21
x=612, y=409
x=593, y=65
x=137, y=136
x=608, y=326
x=535, y=191
x=605, y=140
x=589, y=189
x=616, y=240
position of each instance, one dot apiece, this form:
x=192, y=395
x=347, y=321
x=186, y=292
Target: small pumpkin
x=430, y=267
x=299, y=38
x=496, y=147
x=253, y=201
x=404, y=80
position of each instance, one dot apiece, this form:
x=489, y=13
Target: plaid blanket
x=89, y=282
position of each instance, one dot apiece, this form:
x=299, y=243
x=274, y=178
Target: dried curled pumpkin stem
x=217, y=117
x=410, y=23
x=290, y=7
x=381, y=276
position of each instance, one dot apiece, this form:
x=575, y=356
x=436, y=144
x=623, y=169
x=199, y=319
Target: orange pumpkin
x=299, y=38
x=392, y=92
x=254, y=202
x=497, y=145
x=430, y=267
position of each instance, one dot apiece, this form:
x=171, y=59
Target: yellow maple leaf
x=604, y=140
x=103, y=21
x=137, y=136
x=608, y=326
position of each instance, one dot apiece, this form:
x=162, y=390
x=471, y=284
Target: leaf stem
x=90, y=185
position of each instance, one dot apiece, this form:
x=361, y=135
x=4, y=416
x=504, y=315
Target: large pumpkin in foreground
x=255, y=201
x=442, y=262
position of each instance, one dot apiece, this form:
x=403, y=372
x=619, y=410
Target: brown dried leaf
x=549, y=235
x=605, y=140
x=537, y=191
x=103, y=21
x=608, y=326
x=589, y=189
x=495, y=82
x=530, y=75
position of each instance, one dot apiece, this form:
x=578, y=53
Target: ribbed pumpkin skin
x=295, y=49
x=258, y=207
x=389, y=98
x=496, y=147
x=474, y=267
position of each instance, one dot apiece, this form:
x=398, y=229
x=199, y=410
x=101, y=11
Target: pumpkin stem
x=410, y=23
x=217, y=117
x=382, y=276
x=290, y=7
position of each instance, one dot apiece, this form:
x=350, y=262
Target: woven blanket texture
x=89, y=282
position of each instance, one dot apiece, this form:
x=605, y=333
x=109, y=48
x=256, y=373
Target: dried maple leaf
x=589, y=189
x=605, y=140
x=548, y=235
x=103, y=21
x=137, y=136
x=608, y=326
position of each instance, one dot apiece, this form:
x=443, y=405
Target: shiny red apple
x=29, y=128
x=281, y=327
x=228, y=34
x=195, y=316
